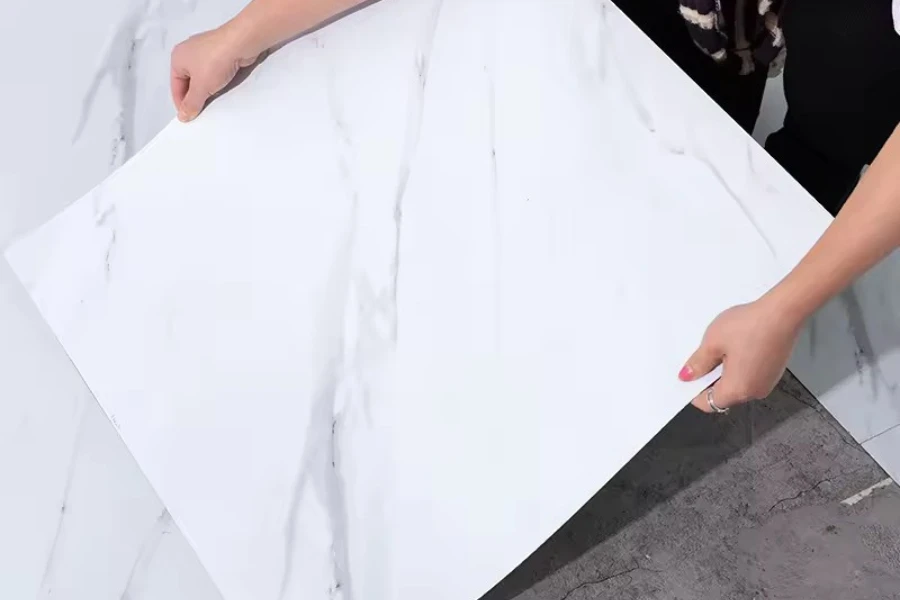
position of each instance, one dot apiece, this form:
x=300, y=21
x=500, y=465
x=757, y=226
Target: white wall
x=773, y=108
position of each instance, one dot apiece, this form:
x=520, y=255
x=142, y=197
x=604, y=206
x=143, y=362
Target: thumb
x=193, y=102
x=702, y=361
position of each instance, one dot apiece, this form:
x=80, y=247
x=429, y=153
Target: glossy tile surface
x=849, y=355
x=885, y=448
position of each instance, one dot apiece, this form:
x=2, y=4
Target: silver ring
x=712, y=403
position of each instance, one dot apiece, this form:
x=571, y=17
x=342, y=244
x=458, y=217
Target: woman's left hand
x=204, y=64
x=753, y=343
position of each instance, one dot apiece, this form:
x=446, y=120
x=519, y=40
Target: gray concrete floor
x=741, y=507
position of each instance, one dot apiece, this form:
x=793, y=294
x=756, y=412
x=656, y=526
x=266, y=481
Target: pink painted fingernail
x=685, y=374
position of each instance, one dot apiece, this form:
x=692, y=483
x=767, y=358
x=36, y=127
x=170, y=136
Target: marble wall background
x=773, y=110
x=88, y=86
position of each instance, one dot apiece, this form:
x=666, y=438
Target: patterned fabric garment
x=741, y=34
x=744, y=34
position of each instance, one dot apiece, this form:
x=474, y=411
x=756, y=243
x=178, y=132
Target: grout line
x=891, y=428
x=867, y=492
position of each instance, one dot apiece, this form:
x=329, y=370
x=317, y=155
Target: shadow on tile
x=689, y=447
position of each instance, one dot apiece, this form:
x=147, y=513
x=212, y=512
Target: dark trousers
x=827, y=181
x=842, y=85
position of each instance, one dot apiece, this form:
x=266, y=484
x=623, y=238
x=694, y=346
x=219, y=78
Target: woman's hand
x=203, y=65
x=753, y=342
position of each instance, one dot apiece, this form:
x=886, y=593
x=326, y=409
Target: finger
x=700, y=401
x=179, y=86
x=702, y=361
x=724, y=394
x=193, y=101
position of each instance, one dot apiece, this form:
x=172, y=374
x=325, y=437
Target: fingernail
x=686, y=373
x=182, y=116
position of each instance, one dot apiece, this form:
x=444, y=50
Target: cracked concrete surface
x=742, y=507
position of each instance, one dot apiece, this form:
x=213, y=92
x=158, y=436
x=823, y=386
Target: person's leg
x=827, y=181
x=842, y=86
x=739, y=96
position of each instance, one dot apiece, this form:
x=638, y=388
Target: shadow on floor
x=689, y=447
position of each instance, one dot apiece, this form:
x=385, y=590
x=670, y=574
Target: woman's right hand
x=753, y=343
x=203, y=65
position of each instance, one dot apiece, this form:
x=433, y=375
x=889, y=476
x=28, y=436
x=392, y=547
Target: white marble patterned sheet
x=411, y=294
